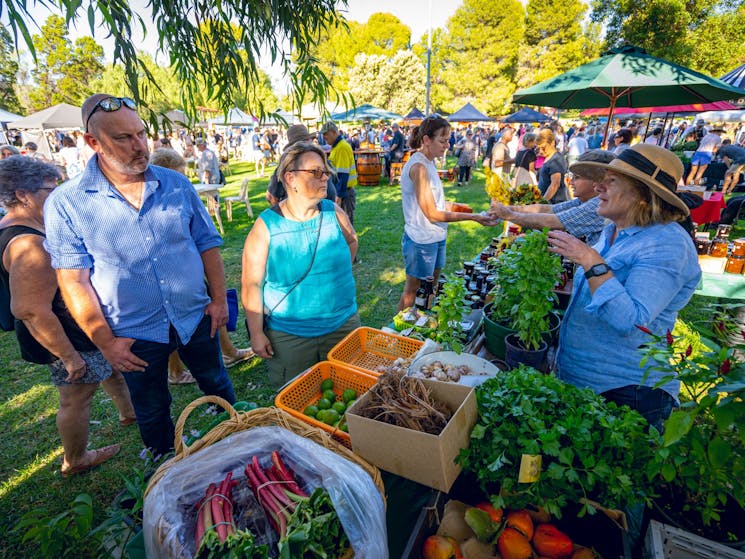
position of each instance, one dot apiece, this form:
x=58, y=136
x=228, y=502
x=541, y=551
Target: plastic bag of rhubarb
x=183, y=502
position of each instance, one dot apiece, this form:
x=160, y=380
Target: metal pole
x=429, y=57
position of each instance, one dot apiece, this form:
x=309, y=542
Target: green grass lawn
x=30, y=451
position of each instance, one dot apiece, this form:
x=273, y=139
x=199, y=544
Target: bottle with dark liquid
x=425, y=295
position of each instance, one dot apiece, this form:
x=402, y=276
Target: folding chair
x=396, y=169
x=242, y=197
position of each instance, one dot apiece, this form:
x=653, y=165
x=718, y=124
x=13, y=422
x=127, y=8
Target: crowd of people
x=114, y=276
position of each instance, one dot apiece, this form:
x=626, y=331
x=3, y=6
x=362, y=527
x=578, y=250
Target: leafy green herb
x=523, y=296
x=239, y=545
x=590, y=448
x=314, y=531
x=449, y=308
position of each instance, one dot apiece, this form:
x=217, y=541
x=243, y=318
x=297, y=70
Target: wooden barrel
x=368, y=169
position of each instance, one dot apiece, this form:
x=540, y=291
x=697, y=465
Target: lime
x=349, y=394
x=351, y=403
x=323, y=404
x=343, y=427
x=311, y=411
x=330, y=417
x=340, y=407
x=327, y=384
x=329, y=395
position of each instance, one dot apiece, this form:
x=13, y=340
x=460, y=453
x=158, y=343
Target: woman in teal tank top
x=298, y=290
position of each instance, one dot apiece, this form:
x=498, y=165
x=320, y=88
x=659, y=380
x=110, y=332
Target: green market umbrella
x=365, y=112
x=626, y=77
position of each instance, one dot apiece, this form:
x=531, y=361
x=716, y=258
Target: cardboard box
x=421, y=457
x=596, y=531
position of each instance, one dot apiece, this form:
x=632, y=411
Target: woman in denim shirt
x=641, y=272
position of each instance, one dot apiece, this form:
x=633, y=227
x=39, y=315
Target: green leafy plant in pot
x=590, y=449
x=451, y=304
x=523, y=295
x=698, y=472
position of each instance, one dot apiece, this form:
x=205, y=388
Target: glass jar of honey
x=719, y=248
x=738, y=247
x=735, y=264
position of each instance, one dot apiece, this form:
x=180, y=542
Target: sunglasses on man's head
x=110, y=105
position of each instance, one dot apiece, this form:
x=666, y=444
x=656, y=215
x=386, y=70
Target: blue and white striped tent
x=736, y=77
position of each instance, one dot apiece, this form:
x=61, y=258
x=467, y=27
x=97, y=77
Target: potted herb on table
x=523, y=298
x=698, y=472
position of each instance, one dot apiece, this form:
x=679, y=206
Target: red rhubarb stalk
x=206, y=512
x=272, y=487
x=268, y=504
x=287, y=475
x=228, y=507
x=217, y=516
x=199, y=532
x=225, y=507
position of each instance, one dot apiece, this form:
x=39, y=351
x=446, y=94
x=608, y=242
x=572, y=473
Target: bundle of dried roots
x=406, y=402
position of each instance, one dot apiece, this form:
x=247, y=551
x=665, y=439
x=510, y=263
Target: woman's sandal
x=240, y=356
x=185, y=378
x=101, y=455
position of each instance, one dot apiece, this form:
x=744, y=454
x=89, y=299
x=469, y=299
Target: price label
x=530, y=468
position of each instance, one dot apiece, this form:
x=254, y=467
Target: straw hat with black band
x=657, y=168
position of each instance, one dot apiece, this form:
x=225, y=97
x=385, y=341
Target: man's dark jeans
x=654, y=404
x=149, y=389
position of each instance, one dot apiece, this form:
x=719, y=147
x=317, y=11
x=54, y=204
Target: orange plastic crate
x=306, y=390
x=367, y=348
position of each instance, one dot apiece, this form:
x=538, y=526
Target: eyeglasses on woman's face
x=317, y=173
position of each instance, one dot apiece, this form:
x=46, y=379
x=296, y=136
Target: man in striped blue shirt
x=133, y=244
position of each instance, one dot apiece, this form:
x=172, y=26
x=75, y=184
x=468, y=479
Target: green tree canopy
x=162, y=99
x=8, y=70
x=63, y=70
x=705, y=35
x=396, y=83
x=554, y=40
x=439, y=92
x=481, y=53
x=382, y=34
x=287, y=29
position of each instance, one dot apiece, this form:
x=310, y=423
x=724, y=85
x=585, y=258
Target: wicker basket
x=367, y=348
x=305, y=390
x=262, y=417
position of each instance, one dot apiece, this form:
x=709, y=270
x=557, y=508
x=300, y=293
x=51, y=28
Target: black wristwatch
x=597, y=270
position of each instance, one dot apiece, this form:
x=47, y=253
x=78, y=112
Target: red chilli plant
x=702, y=458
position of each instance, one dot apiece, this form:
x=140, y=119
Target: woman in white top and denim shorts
x=426, y=213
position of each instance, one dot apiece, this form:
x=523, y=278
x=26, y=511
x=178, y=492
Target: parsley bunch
x=590, y=448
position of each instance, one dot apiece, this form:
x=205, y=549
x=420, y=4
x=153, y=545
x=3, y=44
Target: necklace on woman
x=296, y=218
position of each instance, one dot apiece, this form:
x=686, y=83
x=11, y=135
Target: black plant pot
x=554, y=324
x=516, y=354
